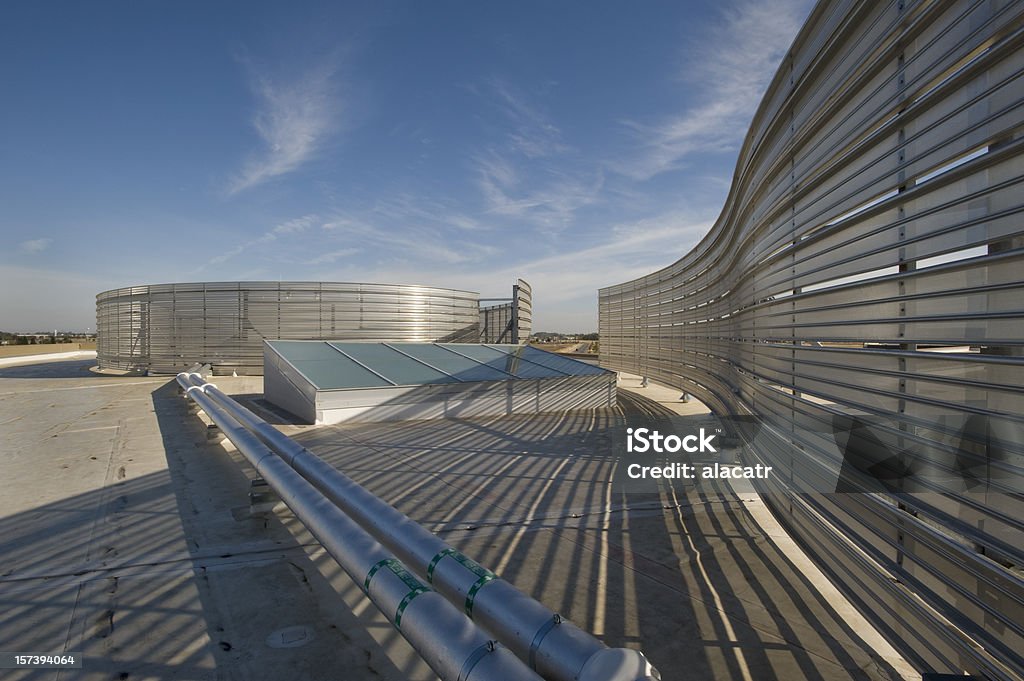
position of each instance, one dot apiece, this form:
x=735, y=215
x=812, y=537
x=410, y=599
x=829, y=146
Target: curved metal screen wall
x=168, y=327
x=522, y=299
x=867, y=268
x=510, y=322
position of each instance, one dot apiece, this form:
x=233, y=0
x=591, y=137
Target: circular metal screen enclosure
x=165, y=328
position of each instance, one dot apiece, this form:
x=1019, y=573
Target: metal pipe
x=454, y=647
x=556, y=648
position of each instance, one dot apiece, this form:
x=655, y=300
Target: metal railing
x=864, y=283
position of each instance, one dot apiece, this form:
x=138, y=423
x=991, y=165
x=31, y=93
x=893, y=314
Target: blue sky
x=573, y=144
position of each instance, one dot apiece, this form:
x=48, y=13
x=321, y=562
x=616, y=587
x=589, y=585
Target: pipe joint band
x=477, y=585
x=539, y=636
x=473, y=566
x=484, y=576
x=437, y=559
x=396, y=568
x=376, y=566
x=474, y=657
x=413, y=593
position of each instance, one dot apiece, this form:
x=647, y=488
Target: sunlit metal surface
x=862, y=291
x=454, y=647
x=550, y=644
x=332, y=382
x=511, y=321
x=168, y=327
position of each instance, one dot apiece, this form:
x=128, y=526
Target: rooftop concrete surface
x=14, y=355
x=124, y=536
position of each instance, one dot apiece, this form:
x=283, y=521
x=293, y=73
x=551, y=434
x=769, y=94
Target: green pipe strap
x=473, y=566
x=435, y=560
x=415, y=587
x=463, y=560
x=477, y=585
x=377, y=566
x=397, y=569
x=406, y=601
x=484, y=576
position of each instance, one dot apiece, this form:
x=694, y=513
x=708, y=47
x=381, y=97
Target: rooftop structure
x=508, y=320
x=330, y=381
x=166, y=328
x=125, y=536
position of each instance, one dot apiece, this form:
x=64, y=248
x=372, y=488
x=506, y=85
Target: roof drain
x=556, y=648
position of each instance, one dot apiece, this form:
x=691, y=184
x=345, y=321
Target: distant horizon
x=92, y=331
x=575, y=146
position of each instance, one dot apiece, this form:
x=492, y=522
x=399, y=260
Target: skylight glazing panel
x=300, y=350
x=459, y=366
x=325, y=367
x=504, y=358
x=392, y=364
x=563, y=364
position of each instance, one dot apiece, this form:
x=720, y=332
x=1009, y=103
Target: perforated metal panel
x=867, y=268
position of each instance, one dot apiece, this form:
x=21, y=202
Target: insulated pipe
x=556, y=648
x=454, y=647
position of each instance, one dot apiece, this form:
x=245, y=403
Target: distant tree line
x=42, y=337
x=556, y=336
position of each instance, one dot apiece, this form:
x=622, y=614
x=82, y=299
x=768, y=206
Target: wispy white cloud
x=565, y=283
x=727, y=83
x=528, y=172
x=550, y=203
x=293, y=119
x=288, y=227
x=497, y=171
x=417, y=209
x=629, y=252
x=35, y=245
x=531, y=133
x=333, y=256
x=465, y=222
x=294, y=225
x=405, y=243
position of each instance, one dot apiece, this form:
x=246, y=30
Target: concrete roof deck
x=123, y=536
